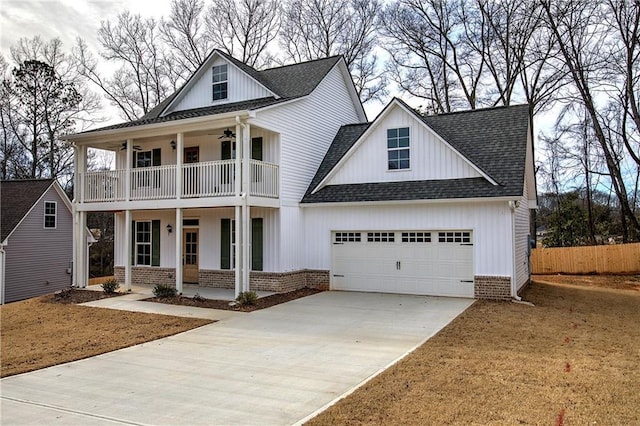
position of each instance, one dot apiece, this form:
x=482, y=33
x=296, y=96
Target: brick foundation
x=492, y=287
x=147, y=275
x=279, y=282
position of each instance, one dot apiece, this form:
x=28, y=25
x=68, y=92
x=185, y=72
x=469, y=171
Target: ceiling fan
x=123, y=146
x=227, y=134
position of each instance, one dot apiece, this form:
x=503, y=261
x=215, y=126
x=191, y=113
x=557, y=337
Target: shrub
x=110, y=286
x=198, y=298
x=63, y=294
x=247, y=298
x=164, y=291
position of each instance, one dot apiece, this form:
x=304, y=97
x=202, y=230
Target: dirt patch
x=570, y=359
x=76, y=296
x=37, y=333
x=622, y=282
x=263, y=302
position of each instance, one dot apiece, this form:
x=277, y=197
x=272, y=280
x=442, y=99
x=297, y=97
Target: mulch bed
x=263, y=302
x=75, y=296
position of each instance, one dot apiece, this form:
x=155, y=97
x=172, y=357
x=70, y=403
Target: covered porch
x=220, y=163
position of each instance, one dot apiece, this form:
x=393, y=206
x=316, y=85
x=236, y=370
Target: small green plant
x=164, y=291
x=247, y=298
x=110, y=286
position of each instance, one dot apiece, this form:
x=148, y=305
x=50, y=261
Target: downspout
x=2, y=262
x=513, y=205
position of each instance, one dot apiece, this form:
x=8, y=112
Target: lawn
x=37, y=333
x=573, y=358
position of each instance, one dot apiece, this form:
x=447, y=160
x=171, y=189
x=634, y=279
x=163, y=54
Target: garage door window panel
x=416, y=237
x=380, y=237
x=348, y=237
x=454, y=237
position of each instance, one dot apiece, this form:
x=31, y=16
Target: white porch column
x=76, y=248
x=128, y=168
x=246, y=214
x=127, y=248
x=238, y=260
x=179, y=161
x=81, y=250
x=179, y=254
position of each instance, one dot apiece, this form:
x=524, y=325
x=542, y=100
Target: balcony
x=199, y=180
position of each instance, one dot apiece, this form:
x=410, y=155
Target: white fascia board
x=199, y=72
x=134, y=131
x=351, y=87
x=412, y=202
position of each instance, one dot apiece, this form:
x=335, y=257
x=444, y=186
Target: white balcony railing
x=205, y=179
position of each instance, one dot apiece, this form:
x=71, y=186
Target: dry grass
x=571, y=359
x=37, y=334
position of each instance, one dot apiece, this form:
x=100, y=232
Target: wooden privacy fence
x=609, y=259
x=99, y=280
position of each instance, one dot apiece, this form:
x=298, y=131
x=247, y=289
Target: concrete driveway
x=270, y=367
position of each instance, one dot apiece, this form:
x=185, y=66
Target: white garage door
x=438, y=263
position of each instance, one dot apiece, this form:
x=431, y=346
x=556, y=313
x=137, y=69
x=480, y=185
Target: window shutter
x=226, y=150
x=133, y=242
x=256, y=149
x=156, y=157
x=155, y=243
x=256, y=244
x=225, y=244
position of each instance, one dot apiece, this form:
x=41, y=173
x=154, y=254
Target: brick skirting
x=492, y=287
x=279, y=282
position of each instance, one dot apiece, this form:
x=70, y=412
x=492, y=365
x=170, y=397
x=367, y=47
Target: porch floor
x=188, y=290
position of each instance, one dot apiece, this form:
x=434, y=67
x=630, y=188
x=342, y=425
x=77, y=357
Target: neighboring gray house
x=36, y=238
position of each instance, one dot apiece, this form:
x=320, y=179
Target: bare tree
x=143, y=79
x=585, y=43
x=244, y=28
x=187, y=37
x=314, y=29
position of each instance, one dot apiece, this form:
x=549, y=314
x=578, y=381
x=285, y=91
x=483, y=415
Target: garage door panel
x=428, y=267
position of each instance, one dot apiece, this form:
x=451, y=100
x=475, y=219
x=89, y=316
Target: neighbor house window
x=398, y=148
x=50, y=209
x=219, y=82
x=143, y=243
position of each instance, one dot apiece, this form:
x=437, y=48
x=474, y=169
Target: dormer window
x=220, y=82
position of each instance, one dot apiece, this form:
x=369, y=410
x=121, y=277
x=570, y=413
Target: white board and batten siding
x=431, y=158
x=240, y=87
x=37, y=259
x=209, y=222
x=489, y=222
x=307, y=128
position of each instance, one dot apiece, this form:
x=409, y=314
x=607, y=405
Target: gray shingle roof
x=196, y=112
x=287, y=82
x=494, y=139
x=16, y=198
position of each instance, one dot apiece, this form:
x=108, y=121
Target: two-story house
x=260, y=180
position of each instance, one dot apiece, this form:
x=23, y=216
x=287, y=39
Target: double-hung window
x=398, y=148
x=143, y=243
x=50, y=214
x=220, y=82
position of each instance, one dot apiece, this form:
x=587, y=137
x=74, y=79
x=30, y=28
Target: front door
x=190, y=258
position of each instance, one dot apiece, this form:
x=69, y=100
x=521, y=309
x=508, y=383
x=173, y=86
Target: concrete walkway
x=270, y=367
